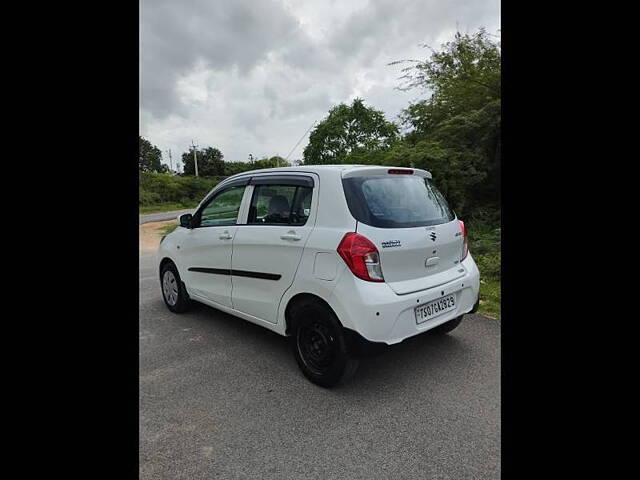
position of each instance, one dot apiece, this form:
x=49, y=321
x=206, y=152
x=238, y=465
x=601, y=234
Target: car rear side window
x=280, y=205
x=396, y=201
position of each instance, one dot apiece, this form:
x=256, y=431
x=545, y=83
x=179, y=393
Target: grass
x=484, y=245
x=165, y=207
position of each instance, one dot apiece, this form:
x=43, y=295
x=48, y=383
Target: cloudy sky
x=251, y=76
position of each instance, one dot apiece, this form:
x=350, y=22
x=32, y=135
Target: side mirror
x=185, y=220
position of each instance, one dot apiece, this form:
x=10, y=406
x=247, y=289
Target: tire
x=447, y=326
x=174, y=294
x=319, y=346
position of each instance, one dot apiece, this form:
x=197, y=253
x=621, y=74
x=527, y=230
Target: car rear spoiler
x=374, y=171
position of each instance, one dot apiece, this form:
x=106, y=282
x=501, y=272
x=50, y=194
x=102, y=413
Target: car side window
x=280, y=205
x=222, y=209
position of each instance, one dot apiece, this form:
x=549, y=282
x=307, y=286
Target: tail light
x=399, y=171
x=465, y=242
x=361, y=256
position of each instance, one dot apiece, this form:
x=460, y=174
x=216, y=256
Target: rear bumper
x=378, y=314
x=475, y=306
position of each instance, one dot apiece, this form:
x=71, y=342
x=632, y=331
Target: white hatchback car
x=333, y=256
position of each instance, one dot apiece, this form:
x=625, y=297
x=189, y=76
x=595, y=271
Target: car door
x=268, y=248
x=207, y=246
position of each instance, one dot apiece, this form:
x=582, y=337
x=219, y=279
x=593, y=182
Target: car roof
x=343, y=168
x=300, y=168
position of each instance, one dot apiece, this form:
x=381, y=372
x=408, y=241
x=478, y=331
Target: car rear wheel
x=173, y=292
x=319, y=345
x=447, y=326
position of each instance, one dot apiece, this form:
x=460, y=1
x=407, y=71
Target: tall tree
x=463, y=76
x=349, y=130
x=210, y=162
x=149, y=157
x=455, y=131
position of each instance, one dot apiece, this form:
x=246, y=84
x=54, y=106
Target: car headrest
x=278, y=204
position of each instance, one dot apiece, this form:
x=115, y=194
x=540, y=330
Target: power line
x=305, y=133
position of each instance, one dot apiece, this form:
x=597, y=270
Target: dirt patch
x=150, y=235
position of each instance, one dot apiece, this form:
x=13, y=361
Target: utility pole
x=170, y=162
x=195, y=157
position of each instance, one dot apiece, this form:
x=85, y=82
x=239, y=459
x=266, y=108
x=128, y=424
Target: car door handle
x=225, y=235
x=291, y=235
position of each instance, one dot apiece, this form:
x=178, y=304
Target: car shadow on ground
x=387, y=365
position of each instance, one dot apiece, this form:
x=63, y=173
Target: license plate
x=433, y=309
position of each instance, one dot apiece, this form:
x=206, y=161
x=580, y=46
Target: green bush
x=488, y=264
x=484, y=245
x=159, y=188
x=484, y=238
x=148, y=198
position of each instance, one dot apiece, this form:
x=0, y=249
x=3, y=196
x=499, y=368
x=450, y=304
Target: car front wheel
x=174, y=294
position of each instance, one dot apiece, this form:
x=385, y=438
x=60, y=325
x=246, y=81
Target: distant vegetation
x=164, y=189
x=169, y=191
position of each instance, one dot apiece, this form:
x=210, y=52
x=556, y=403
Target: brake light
x=465, y=243
x=361, y=256
x=399, y=171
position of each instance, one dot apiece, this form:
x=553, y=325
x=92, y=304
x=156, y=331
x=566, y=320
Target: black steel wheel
x=316, y=346
x=319, y=345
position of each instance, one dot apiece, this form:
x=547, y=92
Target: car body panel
x=379, y=314
x=270, y=249
x=417, y=258
x=207, y=248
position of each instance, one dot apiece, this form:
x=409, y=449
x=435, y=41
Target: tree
x=210, y=162
x=232, y=168
x=463, y=76
x=149, y=157
x=349, y=130
x=271, y=162
x=455, y=132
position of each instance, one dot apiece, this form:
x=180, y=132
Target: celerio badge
x=391, y=243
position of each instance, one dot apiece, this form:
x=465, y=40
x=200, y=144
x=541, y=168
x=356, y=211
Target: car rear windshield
x=396, y=201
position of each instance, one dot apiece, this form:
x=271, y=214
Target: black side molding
x=265, y=276
x=217, y=271
x=237, y=273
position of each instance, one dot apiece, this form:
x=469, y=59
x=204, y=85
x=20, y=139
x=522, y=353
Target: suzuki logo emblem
x=433, y=236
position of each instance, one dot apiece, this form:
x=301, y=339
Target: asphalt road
x=223, y=398
x=162, y=216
